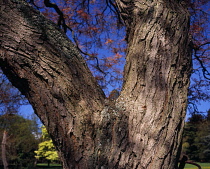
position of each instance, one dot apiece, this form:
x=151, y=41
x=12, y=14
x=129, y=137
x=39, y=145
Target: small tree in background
x=46, y=148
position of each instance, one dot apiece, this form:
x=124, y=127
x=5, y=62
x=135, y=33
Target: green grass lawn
x=45, y=166
x=58, y=166
x=203, y=166
x=39, y=166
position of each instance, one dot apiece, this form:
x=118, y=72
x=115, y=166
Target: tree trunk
x=156, y=79
x=143, y=127
x=3, y=150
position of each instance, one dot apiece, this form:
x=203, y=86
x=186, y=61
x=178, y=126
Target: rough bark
x=39, y=59
x=3, y=150
x=142, y=128
x=156, y=79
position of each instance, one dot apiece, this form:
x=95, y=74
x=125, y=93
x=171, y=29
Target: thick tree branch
x=46, y=34
x=48, y=69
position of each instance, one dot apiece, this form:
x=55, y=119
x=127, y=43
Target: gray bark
x=143, y=127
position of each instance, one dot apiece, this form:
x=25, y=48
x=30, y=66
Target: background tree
x=21, y=140
x=10, y=101
x=46, y=148
x=192, y=137
x=196, y=137
x=143, y=127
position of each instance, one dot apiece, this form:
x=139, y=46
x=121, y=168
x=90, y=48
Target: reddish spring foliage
x=200, y=21
x=109, y=41
x=82, y=14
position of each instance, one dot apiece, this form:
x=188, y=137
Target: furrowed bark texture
x=46, y=67
x=40, y=60
x=142, y=128
x=156, y=80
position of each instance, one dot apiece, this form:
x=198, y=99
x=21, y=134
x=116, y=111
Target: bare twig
x=204, y=69
x=61, y=20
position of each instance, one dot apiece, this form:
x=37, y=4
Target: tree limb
x=61, y=20
x=204, y=69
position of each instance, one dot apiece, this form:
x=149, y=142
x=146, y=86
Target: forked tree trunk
x=3, y=150
x=143, y=127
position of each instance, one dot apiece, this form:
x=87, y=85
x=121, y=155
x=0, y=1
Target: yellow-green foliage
x=46, y=148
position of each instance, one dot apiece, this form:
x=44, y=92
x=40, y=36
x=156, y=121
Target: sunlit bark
x=156, y=79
